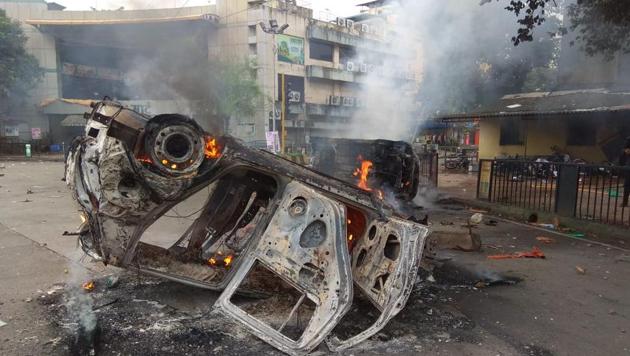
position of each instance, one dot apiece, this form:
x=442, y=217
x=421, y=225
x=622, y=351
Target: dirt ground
x=576, y=301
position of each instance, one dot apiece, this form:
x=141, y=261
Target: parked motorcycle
x=460, y=161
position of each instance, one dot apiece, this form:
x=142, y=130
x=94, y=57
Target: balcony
x=330, y=110
x=320, y=72
x=329, y=125
x=331, y=33
x=295, y=108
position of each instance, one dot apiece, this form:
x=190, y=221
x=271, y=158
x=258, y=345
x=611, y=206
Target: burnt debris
x=324, y=239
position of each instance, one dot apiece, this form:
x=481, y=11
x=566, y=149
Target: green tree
x=234, y=90
x=470, y=61
x=600, y=26
x=19, y=70
x=219, y=90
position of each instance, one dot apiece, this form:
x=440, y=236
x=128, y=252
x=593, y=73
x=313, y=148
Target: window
x=511, y=132
x=321, y=51
x=581, y=132
x=346, y=54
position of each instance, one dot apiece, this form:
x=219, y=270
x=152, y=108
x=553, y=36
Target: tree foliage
x=600, y=26
x=19, y=70
x=234, y=89
x=218, y=90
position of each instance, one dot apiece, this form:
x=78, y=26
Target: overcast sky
x=337, y=7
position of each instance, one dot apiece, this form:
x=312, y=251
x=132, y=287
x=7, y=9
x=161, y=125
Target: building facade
x=86, y=55
x=587, y=116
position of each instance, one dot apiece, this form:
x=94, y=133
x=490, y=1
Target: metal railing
x=588, y=192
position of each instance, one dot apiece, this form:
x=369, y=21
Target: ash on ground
x=150, y=316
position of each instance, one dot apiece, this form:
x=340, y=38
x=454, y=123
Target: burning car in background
x=264, y=221
x=382, y=166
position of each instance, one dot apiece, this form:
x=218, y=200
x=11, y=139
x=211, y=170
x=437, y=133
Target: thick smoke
x=465, y=57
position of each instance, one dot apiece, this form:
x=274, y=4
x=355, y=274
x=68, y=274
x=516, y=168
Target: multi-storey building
x=318, y=67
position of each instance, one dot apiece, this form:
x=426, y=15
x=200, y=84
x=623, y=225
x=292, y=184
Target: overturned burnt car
x=326, y=239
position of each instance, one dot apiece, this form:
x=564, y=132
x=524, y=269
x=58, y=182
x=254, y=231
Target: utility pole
x=273, y=29
x=283, y=132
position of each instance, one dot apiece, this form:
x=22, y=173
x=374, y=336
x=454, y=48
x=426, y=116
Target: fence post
x=567, y=190
x=484, y=179
x=435, y=162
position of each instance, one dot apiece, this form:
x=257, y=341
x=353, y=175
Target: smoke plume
x=463, y=55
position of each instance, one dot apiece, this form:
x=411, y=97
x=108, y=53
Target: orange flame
x=363, y=174
x=213, y=150
x=227, y=261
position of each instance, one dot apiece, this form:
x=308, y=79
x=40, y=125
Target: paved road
x=555, y=311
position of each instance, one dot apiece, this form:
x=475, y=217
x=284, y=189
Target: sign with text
x=273, y=141
x=11, y=131
x=36, y=133
x=290, y=49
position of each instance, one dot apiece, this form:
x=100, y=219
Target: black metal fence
x=589, y=192
x=18, y=147
x=429, y=165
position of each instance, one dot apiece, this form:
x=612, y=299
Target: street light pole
x=273, y=29
x=275, y=80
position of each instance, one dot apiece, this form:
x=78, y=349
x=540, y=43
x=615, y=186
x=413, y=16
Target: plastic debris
x=88, y=286
x=476, y=219
x=575, y=234
x=580, y=270
x=2, y=323
x=491, y=223
x=112, y=281
x=545, y=240
x=534, y=253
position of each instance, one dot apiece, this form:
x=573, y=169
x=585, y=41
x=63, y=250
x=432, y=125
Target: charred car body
x=393, y=166
x=328, y=240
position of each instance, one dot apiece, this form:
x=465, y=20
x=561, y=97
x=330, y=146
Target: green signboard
x=290, y=49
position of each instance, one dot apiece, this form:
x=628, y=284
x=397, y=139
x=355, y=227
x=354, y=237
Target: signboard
x=36, y=133
x=290, y=49
x=273, y=141
x=294, y=88
x=485, y=174
x=11, y=131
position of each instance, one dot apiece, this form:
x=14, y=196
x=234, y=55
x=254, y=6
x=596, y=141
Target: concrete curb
x=42, y=158
x=615, y=236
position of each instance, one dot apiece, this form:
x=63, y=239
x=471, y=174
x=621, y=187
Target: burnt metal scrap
x=328, y=240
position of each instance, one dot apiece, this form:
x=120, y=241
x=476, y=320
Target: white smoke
x=445, y=44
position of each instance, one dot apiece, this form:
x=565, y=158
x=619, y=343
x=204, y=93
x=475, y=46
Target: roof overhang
x=74, y=121
x=574, y=103
x=210, y=18
x=532, y=115
x=65, y=106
